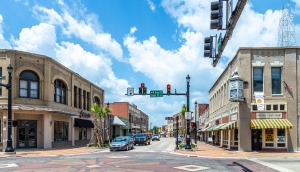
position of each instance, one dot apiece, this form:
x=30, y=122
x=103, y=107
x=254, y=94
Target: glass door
x=256, y=140
x=21, y=138
x=26, y=134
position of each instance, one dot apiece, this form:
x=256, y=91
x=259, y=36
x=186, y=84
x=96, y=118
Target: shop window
x=29, y=85
x=280, y=135
x=59, y=92
x=269, y=144
x=61, y=131
x=258, y=79
x=268, y=107
x=82, y=133
x=254, y=107
x=236, y=134
x=276, y=80
x=281, y=107
x=280, y=144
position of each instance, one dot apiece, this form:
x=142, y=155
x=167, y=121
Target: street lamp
x=195, y=122
x=9, y=147
x=129, y=122
x=177, y=117
x=188, y=138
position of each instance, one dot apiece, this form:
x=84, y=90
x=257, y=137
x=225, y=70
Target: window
x=269, y=107
x=1, y=82
x=280, y=135
x=79, y=98
x=281, y=107
x=88, y=101
x=82, y=133
x=75, y=96
x=61, y=130
x=254, y=107
x=97, y=101
x=84, y=99
x=0, y=130
x=276, y=80
x=258, y=79
x=59, y=92
x=29, y=85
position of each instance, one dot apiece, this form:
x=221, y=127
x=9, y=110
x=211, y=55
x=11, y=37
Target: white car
x=155, y=137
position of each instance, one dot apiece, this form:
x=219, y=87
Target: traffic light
x=168, y=89
x=144, y=90
x=140, y=90
x=208, y=46
x=216, y=14
x=192, y=124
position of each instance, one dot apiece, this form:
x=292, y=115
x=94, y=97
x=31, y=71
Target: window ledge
x=277, y=95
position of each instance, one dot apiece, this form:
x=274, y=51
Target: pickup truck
x=142, y=139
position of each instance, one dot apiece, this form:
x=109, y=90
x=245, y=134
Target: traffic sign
x=130, y=91
x=156, y=93
x=188, y=115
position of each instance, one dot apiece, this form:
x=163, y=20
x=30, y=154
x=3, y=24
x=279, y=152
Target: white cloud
x=151, y=5
x=49, y=16
x=132, y=30
x=3, y=43
x=38, y=39
x=25, y=2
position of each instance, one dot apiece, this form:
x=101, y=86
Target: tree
x=183, y=110
x=107, y=112
x=98, y=116
x=155, y=129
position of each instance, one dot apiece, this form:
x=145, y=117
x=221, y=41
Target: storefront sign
x=83, y=114
x=268, y=115
x=269, y=135
x=280, y=139
x=233, y=117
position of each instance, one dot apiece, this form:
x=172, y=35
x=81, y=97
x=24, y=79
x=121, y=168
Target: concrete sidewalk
x=207, y=150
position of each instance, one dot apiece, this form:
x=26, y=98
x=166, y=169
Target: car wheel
x=111, y=150
x=132, y=147
x=152, y=140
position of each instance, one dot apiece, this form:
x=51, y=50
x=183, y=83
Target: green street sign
x=156, y=93
x=219, y=41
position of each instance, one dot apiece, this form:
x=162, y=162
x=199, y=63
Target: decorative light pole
x=9, y=147
x=188, y=137
x=196, y=122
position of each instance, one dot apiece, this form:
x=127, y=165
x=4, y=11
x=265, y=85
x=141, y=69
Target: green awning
x=212, y=128
x=126, y=122
x=219, y=126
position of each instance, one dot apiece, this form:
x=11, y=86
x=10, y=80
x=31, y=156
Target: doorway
x=26, y=134
x=256, y=140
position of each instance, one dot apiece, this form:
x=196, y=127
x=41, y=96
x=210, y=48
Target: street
x=158, y=156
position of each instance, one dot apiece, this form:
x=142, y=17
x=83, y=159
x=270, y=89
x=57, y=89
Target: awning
x=271, y=123
x=219, y=126
x=126, y=122
x=229, y=126
x=117, y=121
x=205, y=127
x=83, y=123
x=212, y=128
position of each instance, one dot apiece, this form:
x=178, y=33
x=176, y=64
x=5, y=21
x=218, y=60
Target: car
x=155, y=137
x=180, y=138
x=131, y=135
x=142, y=138
x=122, y=143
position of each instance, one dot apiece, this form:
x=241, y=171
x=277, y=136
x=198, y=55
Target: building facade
x=169, y=126
x=50, y=102
x=268, y=118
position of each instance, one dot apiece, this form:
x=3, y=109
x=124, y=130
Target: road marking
x=8, y=165
x=118, y=156
x=192, y=168
x=93, y=166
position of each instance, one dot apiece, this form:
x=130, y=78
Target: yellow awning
x=271, y=123
x=229, y=126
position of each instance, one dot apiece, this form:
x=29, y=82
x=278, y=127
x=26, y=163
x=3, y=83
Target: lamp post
x=196, y=122
x=9, y=147
x=129, y=130
x=177, y=117
x=188, y=137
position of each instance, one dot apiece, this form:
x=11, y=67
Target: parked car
x=155, y=137
x=121, y=143
x=131, y=135
x=180, y=138
x=142, y=139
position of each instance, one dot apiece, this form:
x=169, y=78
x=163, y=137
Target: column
x=48, y=128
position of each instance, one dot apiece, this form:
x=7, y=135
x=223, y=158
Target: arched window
x=60, y=91
x=29, y=84
x=97, y=100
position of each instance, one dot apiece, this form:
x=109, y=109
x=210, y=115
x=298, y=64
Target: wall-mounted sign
x=234, y=117
x=280, y=139
x=84, y=114
x=188, y=115
x=268, y=115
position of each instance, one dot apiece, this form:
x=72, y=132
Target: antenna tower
x=286, y=33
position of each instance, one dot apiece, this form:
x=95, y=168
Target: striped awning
x=219, y=126
x=271, y=123
x=229, y=126
x=212, y=128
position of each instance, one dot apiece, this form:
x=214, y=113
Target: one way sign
x=130, y=91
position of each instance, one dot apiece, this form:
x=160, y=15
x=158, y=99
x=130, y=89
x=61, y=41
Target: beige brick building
x=50, y=102
x=273, y=72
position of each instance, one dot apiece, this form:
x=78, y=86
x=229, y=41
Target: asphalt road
x=156, y=157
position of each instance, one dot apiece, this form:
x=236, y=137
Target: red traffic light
x=168, y=86
x=142, y=85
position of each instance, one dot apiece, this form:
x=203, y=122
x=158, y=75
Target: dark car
x=121, y=143
x=142, y=139
x=155, y=137
x=131, y=135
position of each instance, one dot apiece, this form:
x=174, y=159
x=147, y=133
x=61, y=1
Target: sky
x=117, y=44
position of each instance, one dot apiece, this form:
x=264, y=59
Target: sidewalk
x=207, y=150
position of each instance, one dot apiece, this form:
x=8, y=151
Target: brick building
x=181, y=124
x=135, y=120
x=50, y=102
x=270, y=124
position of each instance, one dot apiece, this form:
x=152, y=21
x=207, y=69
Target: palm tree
x=107, y=111
x=98, y=114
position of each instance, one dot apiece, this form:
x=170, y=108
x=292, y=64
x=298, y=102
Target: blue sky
x=118, y=44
